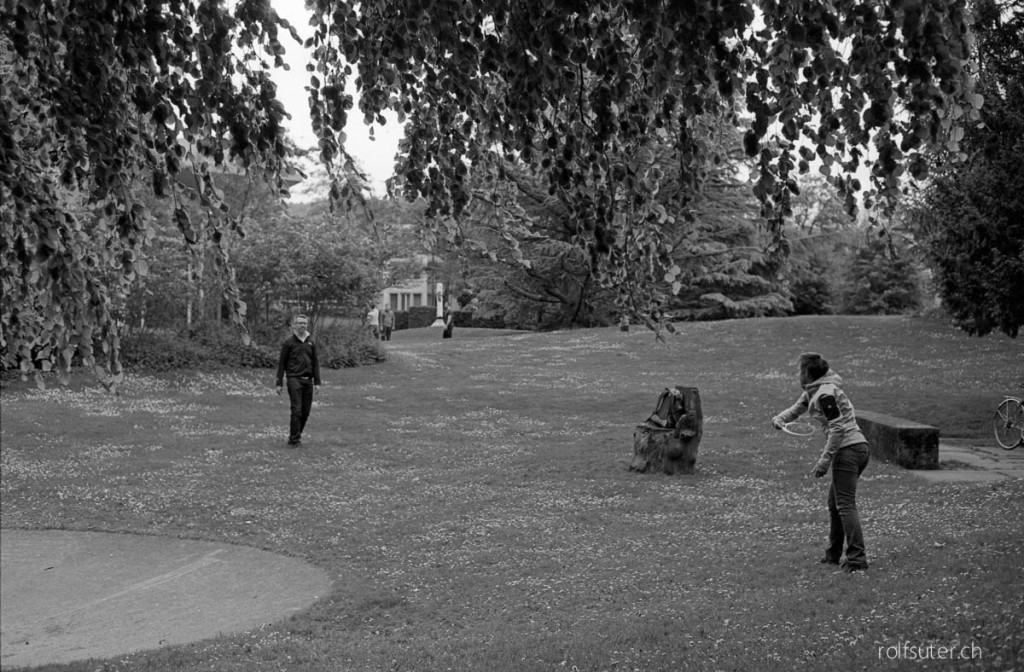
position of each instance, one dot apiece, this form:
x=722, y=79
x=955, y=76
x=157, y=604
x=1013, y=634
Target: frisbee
x=799, y=428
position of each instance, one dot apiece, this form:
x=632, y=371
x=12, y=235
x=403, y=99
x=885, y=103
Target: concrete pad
x=983, y=451
x=67, y=596
x=989, y=463
x=967, y=457
x=958, y=475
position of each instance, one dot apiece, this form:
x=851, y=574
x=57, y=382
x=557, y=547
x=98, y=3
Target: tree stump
x=671, y=450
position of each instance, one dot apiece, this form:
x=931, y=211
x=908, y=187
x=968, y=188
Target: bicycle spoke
x=1017, y=419
x=1008, y=423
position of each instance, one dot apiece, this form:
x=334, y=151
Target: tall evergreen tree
x=723, y=252
x=970, y=219
x=821, y=237
x=880, y=280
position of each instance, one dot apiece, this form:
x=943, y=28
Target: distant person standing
x=373, y=319
x=449, y=324
x=387, y=323
x=299, y=363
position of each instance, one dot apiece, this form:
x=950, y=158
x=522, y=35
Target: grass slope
x=470, y=498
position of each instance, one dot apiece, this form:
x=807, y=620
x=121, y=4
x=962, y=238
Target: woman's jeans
x=847, y=466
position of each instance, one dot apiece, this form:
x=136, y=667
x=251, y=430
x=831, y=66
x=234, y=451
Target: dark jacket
x=298, y=360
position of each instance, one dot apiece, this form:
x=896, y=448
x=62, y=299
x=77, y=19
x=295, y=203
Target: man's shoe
x=294, y=444
x=849, y=569
x=827, y=561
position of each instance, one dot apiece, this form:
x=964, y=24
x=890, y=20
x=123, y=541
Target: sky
x=375, y=156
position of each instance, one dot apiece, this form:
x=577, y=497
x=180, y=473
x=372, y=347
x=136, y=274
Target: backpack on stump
x=668, y=410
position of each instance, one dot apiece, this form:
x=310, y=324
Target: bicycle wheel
x=1009, y=423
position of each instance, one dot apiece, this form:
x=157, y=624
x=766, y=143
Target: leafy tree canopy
x=970, y=218
x=98, y=94
x=587, y=96
x=577, y=90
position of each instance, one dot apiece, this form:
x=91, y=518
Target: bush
x=424, y=316
x=345, y=346
x=271, y=332
x=160, y=352
x=221, y=347
x=224, y=346
x=211, y=348
x=416, y=317
x=881, y=281
x=8, y=375
x=467, y=319
x=811, y=295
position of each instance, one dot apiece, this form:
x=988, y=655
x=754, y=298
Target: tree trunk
x=190, y=277
x=200, y=271
x=671, y=450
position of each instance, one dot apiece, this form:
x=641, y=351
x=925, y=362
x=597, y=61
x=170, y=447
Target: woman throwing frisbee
x=846, y=452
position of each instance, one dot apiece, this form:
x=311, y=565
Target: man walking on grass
x=387, y=323
x=299, y=363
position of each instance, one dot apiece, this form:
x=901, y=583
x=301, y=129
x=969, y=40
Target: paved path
x=974, y=463
x=67, y=596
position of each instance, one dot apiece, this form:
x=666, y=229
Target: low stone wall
x=907, y=443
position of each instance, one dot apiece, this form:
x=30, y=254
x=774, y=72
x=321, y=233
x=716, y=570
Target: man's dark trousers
x=300, y=393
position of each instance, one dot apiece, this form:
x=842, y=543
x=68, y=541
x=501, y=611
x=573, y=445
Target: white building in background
x=411, y=294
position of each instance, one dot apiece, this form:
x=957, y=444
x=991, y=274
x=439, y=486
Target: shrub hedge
x=424, y=316
x=466, y=319
x=339, y=347
x=420, y=316
x=345, y=346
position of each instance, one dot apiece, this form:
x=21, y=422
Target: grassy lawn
x=470, y=499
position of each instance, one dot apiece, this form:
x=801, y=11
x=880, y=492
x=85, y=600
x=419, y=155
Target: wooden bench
x=907, y=443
